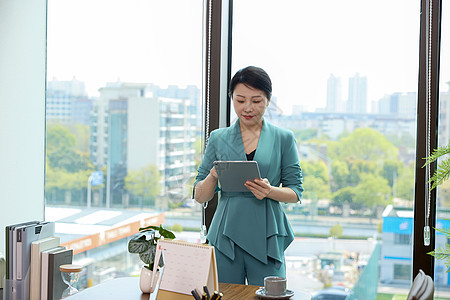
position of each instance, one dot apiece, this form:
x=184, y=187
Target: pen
x=204, y=296
x=215, y=295
x=205, y=288
x=195, y=294
x=220, y=296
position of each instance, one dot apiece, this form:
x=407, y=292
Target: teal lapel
x=234, y=144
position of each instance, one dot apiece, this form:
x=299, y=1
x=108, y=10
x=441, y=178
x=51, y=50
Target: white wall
x=22, y=111
x=143, y=132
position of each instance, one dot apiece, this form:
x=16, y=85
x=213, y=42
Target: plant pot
x=147, y=287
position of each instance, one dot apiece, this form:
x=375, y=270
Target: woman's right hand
x=205, y=189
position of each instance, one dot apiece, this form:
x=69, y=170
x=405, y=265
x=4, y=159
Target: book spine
x=44, y=275
x=19, y=255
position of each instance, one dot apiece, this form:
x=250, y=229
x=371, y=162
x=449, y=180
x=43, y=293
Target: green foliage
x=304, y=134
x=316, y=169
x=373, y=190
x=357, y=168
x=391, y=170
x=59, y=136
x=145, y=243
x=336, y=230
x=443, y=170
x=62, y=152
x=177, y=227
x=317, y=186
x=404, y=186
x=366, y=144
x=443, y=253
x=440, y=176
x=67, y=168
x=144, y=182
x=340, y=174
x=82, y=134
x=405, y=140
x=346, y=194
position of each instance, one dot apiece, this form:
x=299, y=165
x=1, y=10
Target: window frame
x=221, y=22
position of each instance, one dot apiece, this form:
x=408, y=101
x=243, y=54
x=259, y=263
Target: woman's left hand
x=259, y=187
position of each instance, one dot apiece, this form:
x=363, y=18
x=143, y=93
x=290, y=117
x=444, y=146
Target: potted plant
x=144, y=244
x=441, y=174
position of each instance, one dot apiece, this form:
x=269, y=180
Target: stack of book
x=33, y=257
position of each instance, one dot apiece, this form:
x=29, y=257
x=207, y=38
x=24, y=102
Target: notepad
x=187, y=266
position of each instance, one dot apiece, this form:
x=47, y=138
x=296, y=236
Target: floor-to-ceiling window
x=123, y=101
x=123, y=123
x=442, y=277
x=344, y=79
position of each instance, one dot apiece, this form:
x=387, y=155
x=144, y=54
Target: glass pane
x=441, y=275
x=123, y=125
x=344, y=77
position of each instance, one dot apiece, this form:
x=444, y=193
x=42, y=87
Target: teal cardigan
x=260, y=227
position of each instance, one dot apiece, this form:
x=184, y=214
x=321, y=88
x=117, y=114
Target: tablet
x=233, y=174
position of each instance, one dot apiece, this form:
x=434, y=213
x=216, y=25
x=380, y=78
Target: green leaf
x=148, y=256
x=166, y=233
x=441, y=174
x=149, y=227
x=162, y=231
x=138, y=245
x=444, y=231
x=443, y=150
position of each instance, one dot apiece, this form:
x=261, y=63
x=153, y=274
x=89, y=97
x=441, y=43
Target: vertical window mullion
x=217, y=49
x=427, y=119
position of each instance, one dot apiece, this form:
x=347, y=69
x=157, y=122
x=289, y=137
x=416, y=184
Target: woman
x=250, y=231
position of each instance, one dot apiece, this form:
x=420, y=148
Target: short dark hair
x=253, y=77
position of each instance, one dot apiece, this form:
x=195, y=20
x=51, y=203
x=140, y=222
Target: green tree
x=144, y=183
x=304, y=134
x=315, y=169
x=358, y=167
x=67, y=168
x=62, y=152
x=340, y=174
x=316, y=184
x=404, y=187
x=336, y=230
x=82, y=134
x=344, y=195
x=316, y=188
x=391, y=170
x=366, y=144
x=372, y=191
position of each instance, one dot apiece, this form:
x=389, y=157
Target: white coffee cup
x=275, y=286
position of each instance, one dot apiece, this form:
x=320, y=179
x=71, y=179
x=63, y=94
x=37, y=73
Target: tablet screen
x=233, y=174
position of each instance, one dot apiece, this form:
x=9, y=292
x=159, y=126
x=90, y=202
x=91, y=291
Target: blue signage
x=406, y=225
x=97, y=178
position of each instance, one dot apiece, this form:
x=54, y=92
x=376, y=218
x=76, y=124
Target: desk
x=128, y=288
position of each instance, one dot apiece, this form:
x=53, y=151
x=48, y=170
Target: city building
x=396, y=251
x=334, y=94
x=67, y=102
x=398, y=104
x=357, y=94
x=132, y=128
x=333, y=125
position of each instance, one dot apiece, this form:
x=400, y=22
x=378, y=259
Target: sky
x=299, y=43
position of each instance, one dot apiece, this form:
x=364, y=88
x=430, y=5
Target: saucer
x=261, y=293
